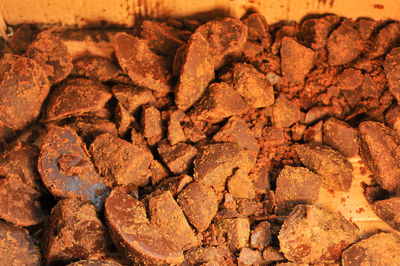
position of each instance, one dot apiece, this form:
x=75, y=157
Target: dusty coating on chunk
x=284, y=112
x=311, y=234
x=296, y=185
x=236, y=230
x=66, y=169
x=200, y=205
x=143, y=66
x=335, y=169
x=253, y=86
x=88, y=95
x=389, y=211
x=121, y=162
x=205, y=51
x=379, y=249
x=17, y=247
x=20, y=190
x=93, y=67
x=131, y=97
x=52, y=54
x=73, y=231
x=392, y=70
x=315, y=31
x=168, y=217
x=178, y=157
x=378, y=148
x=94, y=263
x=216, y=162
x=23, y=88
x=133, y=234
x=296, y=60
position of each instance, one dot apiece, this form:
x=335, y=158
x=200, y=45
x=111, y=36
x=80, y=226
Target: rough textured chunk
x=93, y=67
x=144, y=67
x=389, y=211
x=66, y=169
x=386, y=38
x=22, y=92
x=379, y=149
x=151, y=123
x=311, y=234
x=73, y=232
x=340, y=136
x=131, y=97
x=249, y=257
x=205, y=51
x=316, y=31
x=218, y=102
x=88, y=95
x=205, y=256
x=379, y=249
x=253, y=86
x=296, y=185
x=216, y=162
x=237, y=232
x=261, y=237
x=241, y=186
x=199, y=203
x=296, y=60
x=284, y=112
x=335, y=169
x=178, y=157
x=134, y=235
x=52, y=54
x=168, y=217
x=17, y=247
x=344, y=44
x=121, y=162
x=392, y=70
x=94, y=263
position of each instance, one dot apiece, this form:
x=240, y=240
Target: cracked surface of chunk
x=216, y=162
x=237, y=231
x=121, y=162
x=200, y=205
x=296, y=60
x=17, y=247
x=311, y=234
x=296, y=185
x=23, y=89
x=178, y=157
x=378, y=249
x=52, y=54
x=335, y=169
x=131, y=97
x=66, y=169
x=253, y=86
x=205, y=51
x=379, y=150
x=340, y=136
x=88, y=95
x=73, y=232
x=143, y=66
x=134, y=235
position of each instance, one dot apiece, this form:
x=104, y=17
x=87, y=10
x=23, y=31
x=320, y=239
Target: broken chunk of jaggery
x=340, y=136
x=248, y=257
x=132, y=97
x=386, y=38
x=178, y=157
x=253, y=86
x=315, y=31
x=73, y=231
x=335, y=169
x=285, y=113
x=200, y=205
x=261, y=236
x=378, y=249
x=237, y=231
x=121, y=162
x=379, y=150
x=216, y=162
x=168, y=217
x=151, y=124
x=296, y=185
x=296, y=60
x=143, y=66
x=218, y=102
x=344, y=44
x=95, y=67
x=389, y=211
x=392, y=68
x=311, y=234
x=241, y=186
x=88, y=95
x=175, y=131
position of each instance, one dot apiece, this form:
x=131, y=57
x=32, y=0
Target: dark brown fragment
x=379, y=150
x=378, y=249
x=17, y=247
x=98, y=68
x=178, y=158
x=52, y=55
x=340, y=136
x=88, y=95
x=73, y=232
x=296, y=60
x=66, y=169
x=22, y=36
x=386, y=38
x=199, y=203
x=316, y=31
x=311, y=234
x=23, y=88
x=257, y=26
x=89, y=127
x=248, y=257
x=134, y=236
x=285, y=113
x=296, y=185
x=389, y=211
x=158, y=172
x=175, y=131
x=121, y=162
x=261, y=237
x=272, y=255
x=366, y=27
x=131, y=97
x=236, y=230
x=205, y=256
x=123, y=119
x=335, y=169
x=144, y=67
x=151, y=124
x=392, y=70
